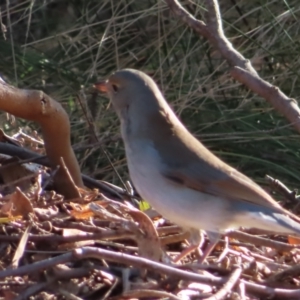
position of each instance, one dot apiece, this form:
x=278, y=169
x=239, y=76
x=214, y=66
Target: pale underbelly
x=184, y=206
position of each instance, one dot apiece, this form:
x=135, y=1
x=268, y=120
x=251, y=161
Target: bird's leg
x=225, y=251
x=214, y=238
x=185, y=252
x=196, y=241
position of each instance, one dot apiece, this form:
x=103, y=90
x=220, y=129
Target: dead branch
x=228, y=286
x=49, y=114
x=242, y=70
x=30, y=156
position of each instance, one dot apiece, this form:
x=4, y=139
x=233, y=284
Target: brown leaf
x=293, y=240
x=148, y=242
x=19, y=205
x=81, y=211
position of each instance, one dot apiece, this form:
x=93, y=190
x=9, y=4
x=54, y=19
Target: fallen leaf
x=148, y=241
x=18, y=205
x=293, y=240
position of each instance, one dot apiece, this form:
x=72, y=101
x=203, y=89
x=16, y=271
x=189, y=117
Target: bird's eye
x=115, y=87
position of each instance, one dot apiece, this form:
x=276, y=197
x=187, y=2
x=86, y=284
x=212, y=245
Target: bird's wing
x=203, y=171
x=232, y=185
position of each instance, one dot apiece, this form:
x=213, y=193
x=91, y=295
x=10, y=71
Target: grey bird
x=178, y=175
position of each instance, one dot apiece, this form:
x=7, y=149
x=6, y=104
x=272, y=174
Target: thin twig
x=232, y=280
x=242, y=70
x=259, y=241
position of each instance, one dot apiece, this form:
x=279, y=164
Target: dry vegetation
x=63, y=47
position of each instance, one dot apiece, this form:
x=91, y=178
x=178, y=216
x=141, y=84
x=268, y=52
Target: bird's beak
x=101, y=86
